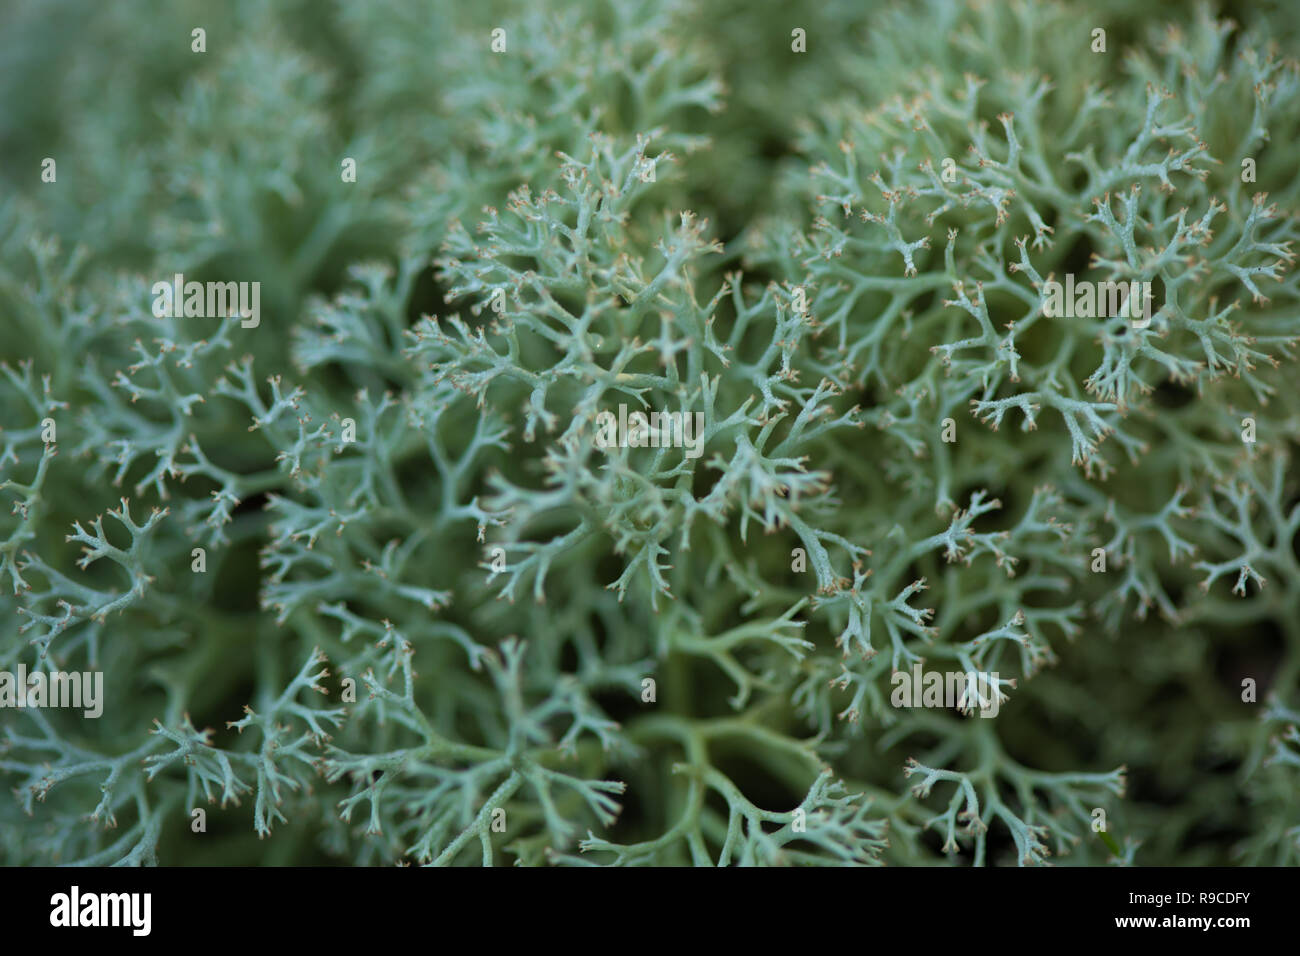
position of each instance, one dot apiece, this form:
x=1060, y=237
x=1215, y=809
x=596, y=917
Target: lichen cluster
x=364, y=582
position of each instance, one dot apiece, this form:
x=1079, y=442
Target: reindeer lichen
x=369, y=582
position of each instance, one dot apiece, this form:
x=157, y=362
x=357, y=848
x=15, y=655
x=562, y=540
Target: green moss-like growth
x=365, y=579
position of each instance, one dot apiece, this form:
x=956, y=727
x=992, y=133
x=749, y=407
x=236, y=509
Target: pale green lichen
x=568, y=653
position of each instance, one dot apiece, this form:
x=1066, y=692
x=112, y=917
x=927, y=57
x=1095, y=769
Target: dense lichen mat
x=644, y=432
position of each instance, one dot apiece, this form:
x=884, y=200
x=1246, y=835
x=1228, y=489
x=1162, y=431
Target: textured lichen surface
x=829, y=231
